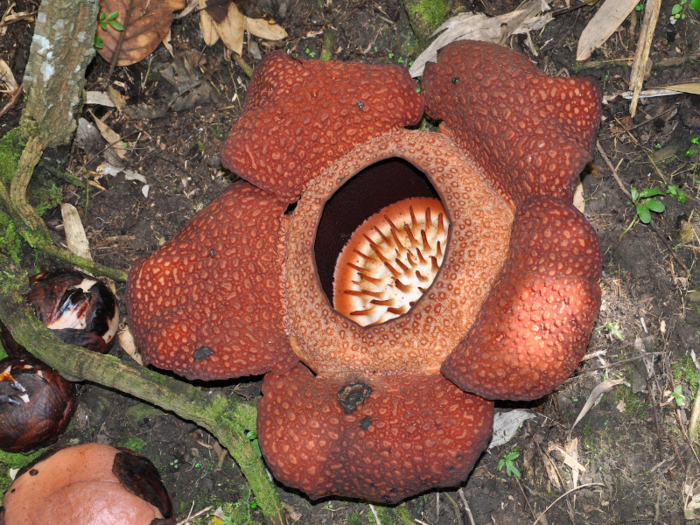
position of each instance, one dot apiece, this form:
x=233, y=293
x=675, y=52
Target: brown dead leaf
x=266, y=29
x=116, y=97
x=603, y=24
x=7, y=78
x=126, y=340
x=75, y=232
x=231, y=29
x=598, y=391
x=209, y=32
x=689, y=87
x=145, y=23
x=110, y=136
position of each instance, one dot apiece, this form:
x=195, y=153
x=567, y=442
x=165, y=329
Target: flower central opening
x=375, y=223
x=390, y=261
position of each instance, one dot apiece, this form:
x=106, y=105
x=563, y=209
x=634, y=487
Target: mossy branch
x=224, y=418
x=61, y=50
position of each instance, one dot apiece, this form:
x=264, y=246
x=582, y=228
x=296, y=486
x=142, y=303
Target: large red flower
x=463, y=273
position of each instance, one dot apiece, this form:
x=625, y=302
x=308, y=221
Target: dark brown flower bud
x=36, y=404
x=76, y=307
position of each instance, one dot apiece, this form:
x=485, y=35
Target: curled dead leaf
x=145, y=23
x=266, y=29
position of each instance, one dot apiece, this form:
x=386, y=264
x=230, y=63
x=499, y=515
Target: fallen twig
x=458, y=513
x=376, y=516
x=466, y=505
x=646, y=36
x=194, y=516
x=564, y=495
x=13, y=100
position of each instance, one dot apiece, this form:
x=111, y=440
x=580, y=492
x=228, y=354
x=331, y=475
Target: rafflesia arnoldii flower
x=466, y=274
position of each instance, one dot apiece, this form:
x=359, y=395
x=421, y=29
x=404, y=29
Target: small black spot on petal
x=202, y=353
x=366, y=422
x=353, y=395
x=33, y=472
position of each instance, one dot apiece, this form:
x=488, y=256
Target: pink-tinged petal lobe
x=208, y=303
x=301, y=115
x=534, y=327
x=532, y=134
x=380, y=438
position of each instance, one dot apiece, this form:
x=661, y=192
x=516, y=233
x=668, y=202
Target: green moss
x=18, y=460
x=10, y=152
x=432, y=11
x=685, y=371
x=134, y=443
x=9, y=238
x=143, y=411
x=49, y=196
x=239, y=513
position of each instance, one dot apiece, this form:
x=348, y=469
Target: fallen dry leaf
x=116, y=97
x=226, y=20
x=126, y=340
x=566, y=458
x=598, y=391
x=688, y=87
x=231, y=29
x=209, y=32
x=145, y=23
x=7, y=78
x=75, y=233
x=110, y=136
x=470, y=26
x=99, y=98
x=265, y=29
x=506, y=424
x=603, y=24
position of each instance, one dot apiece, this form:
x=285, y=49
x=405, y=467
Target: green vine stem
x=225, y=419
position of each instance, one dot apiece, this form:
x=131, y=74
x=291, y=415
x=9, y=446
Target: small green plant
x=612, y=328
x=673, y=191
x=677, y=9
x=105, y=21
x=686, y=371
x=253, y=437
x=678, y=396
x=507, y=462
x=645, y=203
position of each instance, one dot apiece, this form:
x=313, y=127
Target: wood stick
x=641, y=59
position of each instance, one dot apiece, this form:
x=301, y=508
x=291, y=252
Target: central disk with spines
x=390, y=261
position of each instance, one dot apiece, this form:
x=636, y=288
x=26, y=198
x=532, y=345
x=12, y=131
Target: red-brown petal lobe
x=408, y=433
x=531, y=133
x=301, y=115
x=208, y=303
x=534, y=327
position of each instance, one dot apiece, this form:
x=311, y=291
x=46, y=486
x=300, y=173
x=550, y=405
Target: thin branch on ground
x=563, y=496
x=458, y=513
x=466, y=505
x=641, y=59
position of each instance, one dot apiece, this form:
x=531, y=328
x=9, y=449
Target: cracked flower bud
x=76, y=307
x=36, y=404
x=90, y=484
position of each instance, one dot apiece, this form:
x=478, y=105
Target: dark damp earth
x=632, y=442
